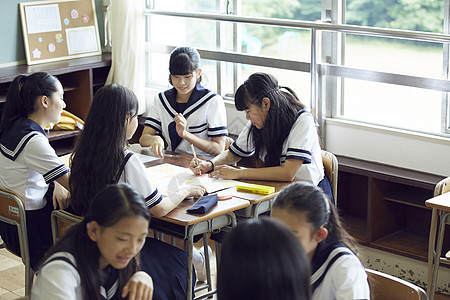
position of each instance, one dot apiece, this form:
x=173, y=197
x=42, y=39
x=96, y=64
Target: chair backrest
x=330, y=163
x=384, y=286
x=61, y=221
x=442, y=187
x=12, y=211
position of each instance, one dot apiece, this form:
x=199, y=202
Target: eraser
x=256, y=189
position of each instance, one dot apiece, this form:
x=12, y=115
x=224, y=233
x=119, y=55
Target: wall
x=11, y=38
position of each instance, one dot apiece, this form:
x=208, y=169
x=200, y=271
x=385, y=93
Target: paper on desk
x=170, y=178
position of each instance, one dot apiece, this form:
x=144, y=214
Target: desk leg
x=431, y=252
x=189, y=246
x=207, y=262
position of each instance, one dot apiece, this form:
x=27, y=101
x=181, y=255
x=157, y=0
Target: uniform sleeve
x=301, y=139
x=153, y=119
x=41, y=157
x=135, y=174
x=217, y=118
x=350, y=279
x=57, y=280
x=243, y=146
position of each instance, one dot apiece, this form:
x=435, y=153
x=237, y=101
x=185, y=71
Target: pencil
x=195, y=156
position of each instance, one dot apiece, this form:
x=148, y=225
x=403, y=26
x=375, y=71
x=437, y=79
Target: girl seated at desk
x=187, y=114
x=100, y=158
x=280, y=132
x=96, y=258
x=29, y=165
x=337, y=272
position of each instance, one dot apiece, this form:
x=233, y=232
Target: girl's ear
x=265, y=104
x=93, y=230
x=199, y=72
x=320, y=234
x=43, y=101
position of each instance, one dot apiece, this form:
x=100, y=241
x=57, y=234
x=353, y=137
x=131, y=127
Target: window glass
x=392, y=105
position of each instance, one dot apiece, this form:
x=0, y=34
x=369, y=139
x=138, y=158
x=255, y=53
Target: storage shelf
x=406, y=243
x=54, y=135
x=411, y=196
x=384, y=206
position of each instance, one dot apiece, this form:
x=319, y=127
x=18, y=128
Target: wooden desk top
x=439, y=202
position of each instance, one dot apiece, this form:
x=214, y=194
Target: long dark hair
x=107, y=208
x=99, y=150
x=313, y=202
x=284, y=109
x=262, y=259
x=23, y=94
x=183, y=61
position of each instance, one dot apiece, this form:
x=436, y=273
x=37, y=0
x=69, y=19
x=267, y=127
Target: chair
x=61, y=221
x=435, y=246
x=12, y=211
x=384, y=286
x=330, y=163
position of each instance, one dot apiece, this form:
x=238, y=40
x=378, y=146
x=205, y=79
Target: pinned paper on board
x=73, y=23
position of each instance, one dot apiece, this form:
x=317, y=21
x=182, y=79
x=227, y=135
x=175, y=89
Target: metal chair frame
x=12, y=211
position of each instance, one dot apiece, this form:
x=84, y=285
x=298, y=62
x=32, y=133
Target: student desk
x=439, y=204
x=184, y=225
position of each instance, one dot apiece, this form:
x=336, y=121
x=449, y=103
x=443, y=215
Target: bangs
x=181, y=65
x=240, y=98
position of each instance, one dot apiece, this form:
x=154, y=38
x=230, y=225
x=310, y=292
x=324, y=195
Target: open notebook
x=170, y=178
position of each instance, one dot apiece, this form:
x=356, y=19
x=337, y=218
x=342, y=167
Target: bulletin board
x=59, y=29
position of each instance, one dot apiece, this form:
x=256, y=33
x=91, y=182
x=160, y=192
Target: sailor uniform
x=58, y=278
x=28, y=165
x=302, y=143
x=337, y=274
x=204, y=112
x=135, y=174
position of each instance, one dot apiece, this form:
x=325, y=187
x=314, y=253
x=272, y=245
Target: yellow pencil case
x=256, y=189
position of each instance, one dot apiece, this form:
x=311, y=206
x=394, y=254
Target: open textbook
x=170, y=178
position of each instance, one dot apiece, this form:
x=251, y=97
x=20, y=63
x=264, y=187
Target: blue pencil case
x=203, y=204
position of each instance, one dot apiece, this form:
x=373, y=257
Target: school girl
x=100, y=158
x=280, y=132
x=186, y=114
x=262, y=259
x=28, y=164
x=337, y=272
x=97, y=258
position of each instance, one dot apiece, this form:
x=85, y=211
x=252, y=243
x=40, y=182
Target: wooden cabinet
x=80, y=79
x=384, y=207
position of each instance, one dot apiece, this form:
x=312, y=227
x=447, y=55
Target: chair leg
x=29, y=274
x=207, y=261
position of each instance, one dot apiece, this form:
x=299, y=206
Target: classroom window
x=381, y=103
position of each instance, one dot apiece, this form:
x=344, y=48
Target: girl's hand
x=181, y=124
x=139, y=287
x=157, y=146
x=61, y=196
x=195, y=191
x=226, y=172
x=199, y=167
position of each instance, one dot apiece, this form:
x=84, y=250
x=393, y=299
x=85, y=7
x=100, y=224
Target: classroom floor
x=12, y=284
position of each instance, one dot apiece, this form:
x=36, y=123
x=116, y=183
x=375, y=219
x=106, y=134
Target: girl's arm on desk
x=285, y=172
x=168, y=203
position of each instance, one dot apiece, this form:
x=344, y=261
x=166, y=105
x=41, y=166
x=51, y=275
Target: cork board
x=59, y=29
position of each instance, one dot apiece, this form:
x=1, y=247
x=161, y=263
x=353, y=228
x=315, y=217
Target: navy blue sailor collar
x=200, y=95
x=17, y=135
